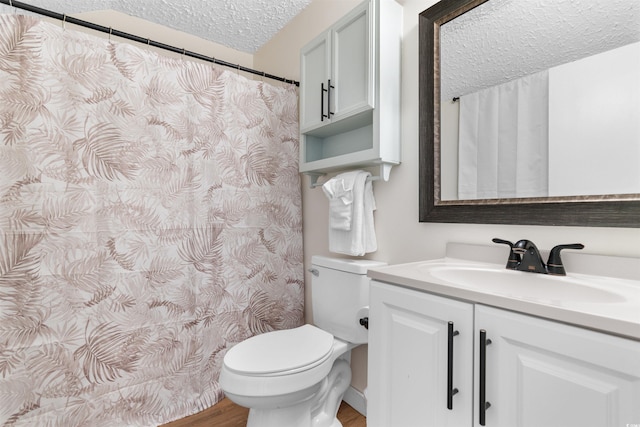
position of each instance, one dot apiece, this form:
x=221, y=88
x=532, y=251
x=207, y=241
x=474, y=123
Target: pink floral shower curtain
x=150, y=218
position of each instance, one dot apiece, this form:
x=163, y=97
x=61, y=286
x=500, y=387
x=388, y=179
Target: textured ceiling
x=499, y=41
x=502, y=40
x=244, y=25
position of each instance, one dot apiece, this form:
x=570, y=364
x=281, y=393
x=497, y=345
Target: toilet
x=297, y=377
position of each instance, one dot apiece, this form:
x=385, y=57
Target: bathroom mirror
x=516, y=59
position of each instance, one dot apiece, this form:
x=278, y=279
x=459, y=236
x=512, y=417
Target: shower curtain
x=504, y=140
x=150, y=217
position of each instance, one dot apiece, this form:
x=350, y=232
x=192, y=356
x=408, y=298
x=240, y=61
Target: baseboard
x=356, y=400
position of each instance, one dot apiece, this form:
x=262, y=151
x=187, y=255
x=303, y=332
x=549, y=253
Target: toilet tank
x=340, y=296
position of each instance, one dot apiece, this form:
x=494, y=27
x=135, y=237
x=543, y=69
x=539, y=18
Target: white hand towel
x=360, y=239
x=370, y=242
x=339, y=191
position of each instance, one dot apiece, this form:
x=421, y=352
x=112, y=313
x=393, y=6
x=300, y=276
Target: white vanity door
x=409, y=357
x=544, y=374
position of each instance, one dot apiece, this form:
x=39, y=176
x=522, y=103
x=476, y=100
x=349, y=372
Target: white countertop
x=608, y=304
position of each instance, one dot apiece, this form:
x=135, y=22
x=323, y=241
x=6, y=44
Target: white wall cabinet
x=538, y=373
x=315, y=62
x=337, y=71
x=342, y=100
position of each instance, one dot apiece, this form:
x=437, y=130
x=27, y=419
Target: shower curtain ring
x=64, y=21
x=110, y=31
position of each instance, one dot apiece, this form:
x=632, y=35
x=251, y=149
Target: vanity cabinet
x=410, y=359
x=543, y=373
x=536, y=372
x=347, y=117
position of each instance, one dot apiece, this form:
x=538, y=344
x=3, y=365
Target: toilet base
x=330, y=395
x=316, y=406
x=297, y=415
x=272, y=418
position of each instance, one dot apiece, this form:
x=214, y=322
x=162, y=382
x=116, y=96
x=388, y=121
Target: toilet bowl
x=284, y=385
x=297, y=377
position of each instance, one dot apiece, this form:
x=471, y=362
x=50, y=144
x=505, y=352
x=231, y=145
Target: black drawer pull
x=483, y=404
x=322, y=91
x=329, y=87
x=450, y=389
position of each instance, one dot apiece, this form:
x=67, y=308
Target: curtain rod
x=117, y=33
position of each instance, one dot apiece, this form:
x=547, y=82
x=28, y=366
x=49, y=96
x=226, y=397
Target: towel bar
x=369, y=178
x=385, y=171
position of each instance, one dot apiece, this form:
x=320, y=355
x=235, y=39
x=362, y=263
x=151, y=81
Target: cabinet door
x=315, y=75
x=409, y=359
x=544, y=374
x=353, y=68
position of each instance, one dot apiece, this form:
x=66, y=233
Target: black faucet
x=524, y=256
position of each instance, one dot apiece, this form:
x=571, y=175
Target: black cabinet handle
x=450, y=390
x=483, y=404
x=322, y=91
x=329, y=87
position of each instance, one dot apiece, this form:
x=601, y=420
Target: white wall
x=401, y=238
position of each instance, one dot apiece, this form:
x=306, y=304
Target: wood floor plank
x=227, y=414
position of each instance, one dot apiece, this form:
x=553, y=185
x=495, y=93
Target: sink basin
x=523, y=285
x=599, y=292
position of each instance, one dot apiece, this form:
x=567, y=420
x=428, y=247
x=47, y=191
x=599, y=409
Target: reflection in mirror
x=525, y=107
x=531, y=112
x=541, y=135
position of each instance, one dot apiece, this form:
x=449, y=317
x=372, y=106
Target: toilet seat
x=280, y=353
x=273, y=378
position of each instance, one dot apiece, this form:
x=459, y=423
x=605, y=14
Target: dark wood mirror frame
x=586, y=211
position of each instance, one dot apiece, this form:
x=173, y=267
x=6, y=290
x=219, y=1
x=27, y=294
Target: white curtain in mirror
x=503, y=140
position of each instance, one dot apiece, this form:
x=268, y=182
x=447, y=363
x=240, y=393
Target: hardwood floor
x=228, y=414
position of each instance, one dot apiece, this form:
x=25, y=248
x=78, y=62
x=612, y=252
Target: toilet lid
x=279, y=351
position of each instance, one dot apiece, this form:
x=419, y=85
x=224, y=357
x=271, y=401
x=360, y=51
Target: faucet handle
x=554, y=264
x=506, y=242
x=514, y=258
